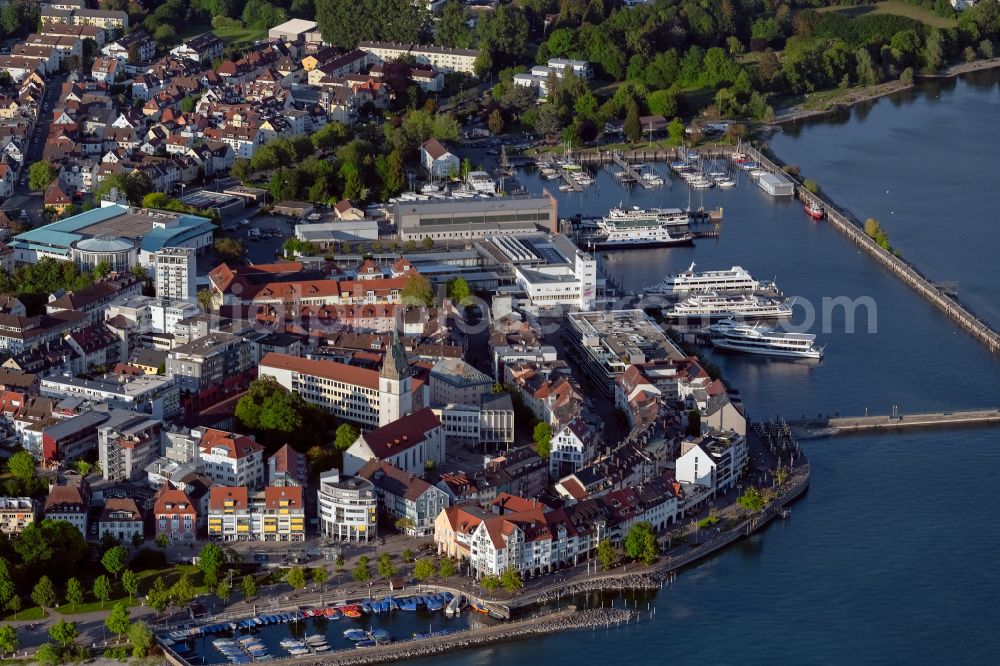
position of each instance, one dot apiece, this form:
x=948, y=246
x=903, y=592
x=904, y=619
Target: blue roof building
x=120, y=235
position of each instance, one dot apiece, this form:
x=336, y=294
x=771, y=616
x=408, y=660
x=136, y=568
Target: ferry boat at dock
x=814, y=210
x=762, y=340
x=641, y=237
x=735, y=280
x=621, y=218
x=713, y=307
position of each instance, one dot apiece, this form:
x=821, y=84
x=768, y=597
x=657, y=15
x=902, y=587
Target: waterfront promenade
x=546, y=590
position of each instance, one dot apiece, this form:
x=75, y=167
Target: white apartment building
x=231, y=459
x=176, y=270
x=348, y=507
x=714, y=460
x=439, y=57
x=165, y=314
x=572, y=447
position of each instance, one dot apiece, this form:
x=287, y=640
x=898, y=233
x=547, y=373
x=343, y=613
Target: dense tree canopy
x=278, y=416
x=344, y=24
x=52, y=547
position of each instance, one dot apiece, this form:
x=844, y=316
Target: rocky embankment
x=561, y=621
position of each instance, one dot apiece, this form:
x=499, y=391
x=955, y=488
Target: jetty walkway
x=616, y=157
x=905, y=271
x=835, y=425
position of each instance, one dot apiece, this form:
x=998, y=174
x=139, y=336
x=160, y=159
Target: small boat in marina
x=479, y=608
x=454, y=606
x=380, y=635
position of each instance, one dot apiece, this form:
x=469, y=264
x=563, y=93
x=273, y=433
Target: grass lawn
x=33, y=613
x=146, y=580
x=239, y=37
x=707, y=522
x=899, y=8
x=236, y=37
x=194, y=30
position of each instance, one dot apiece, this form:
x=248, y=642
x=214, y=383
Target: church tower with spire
x=395, y=387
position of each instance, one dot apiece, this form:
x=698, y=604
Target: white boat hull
x=729, y=345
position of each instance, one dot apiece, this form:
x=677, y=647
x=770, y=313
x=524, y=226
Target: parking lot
x=265, y=247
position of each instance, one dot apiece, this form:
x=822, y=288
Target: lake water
x=890, y=557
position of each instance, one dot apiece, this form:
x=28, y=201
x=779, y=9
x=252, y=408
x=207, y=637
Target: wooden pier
x=939, y=295
x=630, y=170
x=836, y=425
x=564, y=174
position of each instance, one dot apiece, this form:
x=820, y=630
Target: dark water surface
x=890, y=557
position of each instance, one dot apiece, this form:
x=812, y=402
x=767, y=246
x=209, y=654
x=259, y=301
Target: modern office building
x=347, y=507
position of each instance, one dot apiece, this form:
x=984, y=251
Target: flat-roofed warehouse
x=476, y=218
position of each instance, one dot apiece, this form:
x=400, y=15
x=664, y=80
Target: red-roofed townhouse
x=175, y=515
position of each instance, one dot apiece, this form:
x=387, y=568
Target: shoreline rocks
x=568, y=620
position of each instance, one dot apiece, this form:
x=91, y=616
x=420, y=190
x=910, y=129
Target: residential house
x=407, y=499
x=437, y=160
x=122, y=520
x=175, y=515
x=16, y=513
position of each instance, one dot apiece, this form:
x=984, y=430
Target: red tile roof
x=333, y=370
x=172, y=501
x=402, y=434
x=219, y=494
x=236, y=446
x=275, y=495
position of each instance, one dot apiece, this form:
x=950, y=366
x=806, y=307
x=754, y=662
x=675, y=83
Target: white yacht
x=625, y=218
x=713, y=307
x=734, y=280
x=762, y=340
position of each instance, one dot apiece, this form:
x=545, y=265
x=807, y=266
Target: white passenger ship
x=762, y=340
x=626, y=218
x=641, y=237
x=735, y=280
x=715, y=306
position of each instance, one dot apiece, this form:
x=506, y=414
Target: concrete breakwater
x=563, y=620
x=835, y=425
x=908, y=273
